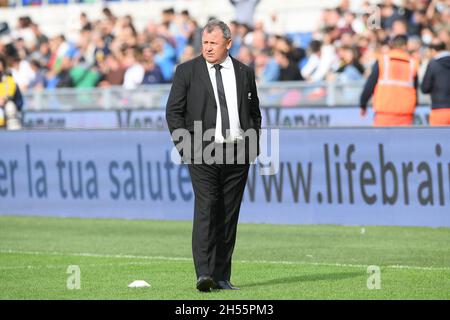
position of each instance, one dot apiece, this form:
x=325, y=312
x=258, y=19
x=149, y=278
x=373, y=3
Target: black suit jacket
x=192, y=98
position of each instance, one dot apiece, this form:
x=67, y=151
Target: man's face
x=214, y=46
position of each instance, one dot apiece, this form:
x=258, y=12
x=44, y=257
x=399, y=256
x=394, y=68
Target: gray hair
x=216, y=23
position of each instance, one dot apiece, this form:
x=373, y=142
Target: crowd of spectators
x=111, y=51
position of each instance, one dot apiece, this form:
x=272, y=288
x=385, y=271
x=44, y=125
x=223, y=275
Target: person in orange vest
x=436, y=81
x=11, y=101
x=393, y=84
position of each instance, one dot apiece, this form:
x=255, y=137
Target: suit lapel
x=204, y=76
x=239, y=74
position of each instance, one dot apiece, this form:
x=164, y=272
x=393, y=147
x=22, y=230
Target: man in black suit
x=216, y=93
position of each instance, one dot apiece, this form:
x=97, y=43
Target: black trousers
x=218, y=190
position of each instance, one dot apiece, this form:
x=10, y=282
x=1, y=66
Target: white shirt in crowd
x=327, y=58
x=311, y=66
x=133, y=76
x=23, y=74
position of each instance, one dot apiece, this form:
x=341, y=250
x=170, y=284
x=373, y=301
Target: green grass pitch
x=270, y=261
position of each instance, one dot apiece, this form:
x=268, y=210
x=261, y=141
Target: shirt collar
x=227, y=63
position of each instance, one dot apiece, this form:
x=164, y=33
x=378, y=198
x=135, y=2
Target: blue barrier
x=304, y=117
x=365, y=176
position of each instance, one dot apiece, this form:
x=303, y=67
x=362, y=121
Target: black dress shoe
x=225, y=285
x=205, y=283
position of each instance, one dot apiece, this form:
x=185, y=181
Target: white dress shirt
x=229, y=85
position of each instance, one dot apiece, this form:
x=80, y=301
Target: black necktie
x=222, y=101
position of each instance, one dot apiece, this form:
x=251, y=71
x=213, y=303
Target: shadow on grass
x=305, y=278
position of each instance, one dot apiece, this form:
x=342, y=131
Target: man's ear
x=229, y=44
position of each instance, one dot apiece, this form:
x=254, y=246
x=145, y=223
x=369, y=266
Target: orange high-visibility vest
x=395, y=92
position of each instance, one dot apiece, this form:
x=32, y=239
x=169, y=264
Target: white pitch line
x=64, y=266
x=94, y=255
x=327, y=264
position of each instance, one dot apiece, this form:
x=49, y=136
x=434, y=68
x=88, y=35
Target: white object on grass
x=138, y=284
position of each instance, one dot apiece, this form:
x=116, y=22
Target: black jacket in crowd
x=437, y=81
